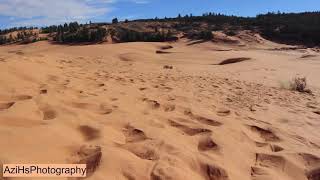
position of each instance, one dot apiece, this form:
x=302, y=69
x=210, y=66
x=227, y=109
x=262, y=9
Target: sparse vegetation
x=115, y=21
x=201, y=35
x=296, y=84
x=22, y=37
x=299, y=84
x=129, y=35
x=231, y=33
x=75, y=33
x=290, y=28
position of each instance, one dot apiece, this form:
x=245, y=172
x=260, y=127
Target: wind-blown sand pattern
x=134, y=114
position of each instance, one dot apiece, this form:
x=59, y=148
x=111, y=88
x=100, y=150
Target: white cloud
x=46, y=12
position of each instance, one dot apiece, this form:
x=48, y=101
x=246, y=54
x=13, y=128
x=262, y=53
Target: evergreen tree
x=115, y=21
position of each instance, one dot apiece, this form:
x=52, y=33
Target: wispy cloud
x=45, y=12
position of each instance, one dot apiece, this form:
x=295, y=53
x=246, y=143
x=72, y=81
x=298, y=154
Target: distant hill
x=289, y=28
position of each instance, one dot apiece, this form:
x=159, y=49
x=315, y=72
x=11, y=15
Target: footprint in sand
x=313, y=174
x=259, y=173
x=169, y=107
x=223, y=112
x=142, y=89
x=213, y=172
x=49, y=114
x=43, y=91
x=114, y=99
x=89, y=133
x=189, y=130
x=207, y=144
x=276, y=148
x=4, y=106
x=268, y=166
x=266, y=134
x=202, y=119
x=147, y=150
x=270, y=161
x=310, y=160
x=99, y=109
x=152, y=103
x=133, y=134
x=140, y=145
x=261, y=144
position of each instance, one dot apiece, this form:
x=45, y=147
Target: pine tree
x=65, y=27
x=115, y=21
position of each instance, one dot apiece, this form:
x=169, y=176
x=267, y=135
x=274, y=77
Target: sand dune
x=131, y=113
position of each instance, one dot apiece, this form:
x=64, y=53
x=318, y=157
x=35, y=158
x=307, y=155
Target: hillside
x=287, y=28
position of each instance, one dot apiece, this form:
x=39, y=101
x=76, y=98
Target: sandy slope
x=195, y=121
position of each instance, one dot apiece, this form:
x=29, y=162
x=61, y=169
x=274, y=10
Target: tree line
x=293, y=28
x=76, y=33
x=9, y=30
x=23, y=37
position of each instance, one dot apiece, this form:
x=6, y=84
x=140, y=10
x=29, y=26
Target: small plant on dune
x=296, y=84
x=299, y=84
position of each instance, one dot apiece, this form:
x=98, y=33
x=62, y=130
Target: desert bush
x=128, y=35
x=296, y=84
x=81, y=35
x=231, y=33
x=200, y=35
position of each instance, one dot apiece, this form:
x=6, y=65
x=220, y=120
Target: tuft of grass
x=296, y=84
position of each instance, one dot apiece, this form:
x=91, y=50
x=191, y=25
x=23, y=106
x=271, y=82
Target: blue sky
x=47, y=12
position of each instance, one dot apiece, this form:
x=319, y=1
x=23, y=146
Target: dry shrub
x=297, y=84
